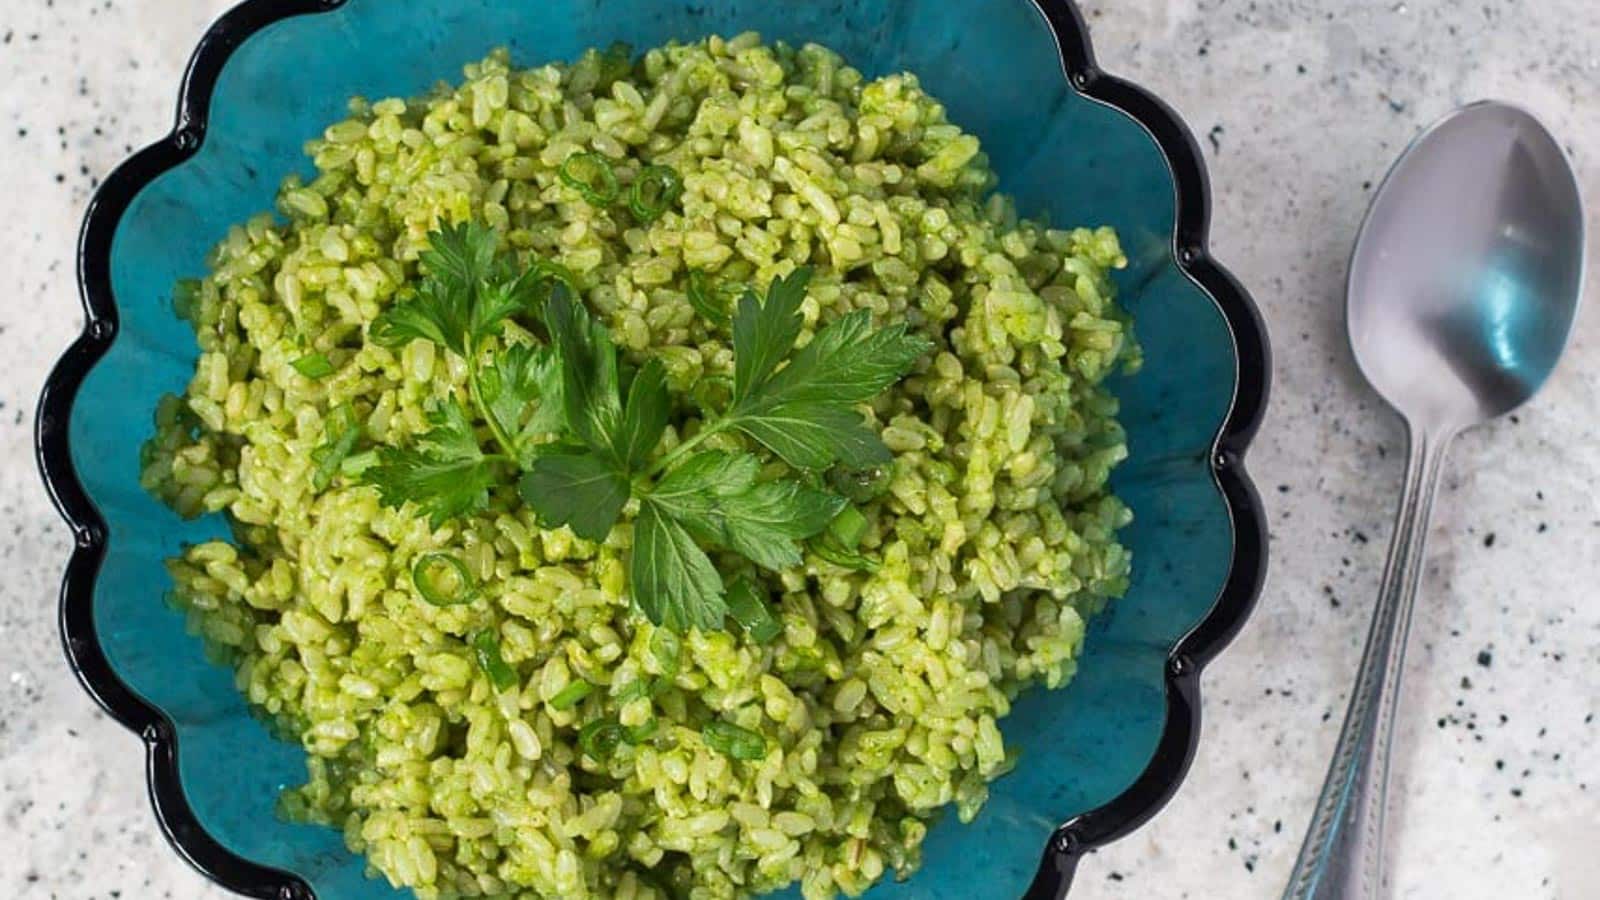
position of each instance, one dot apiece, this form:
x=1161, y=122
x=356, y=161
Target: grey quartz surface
x=1299, y=105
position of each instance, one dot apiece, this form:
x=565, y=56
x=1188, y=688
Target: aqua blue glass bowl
x=1099, y=757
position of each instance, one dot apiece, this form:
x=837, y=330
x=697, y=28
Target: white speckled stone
x=1301, y=105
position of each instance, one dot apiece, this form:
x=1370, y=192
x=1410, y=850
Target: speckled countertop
x=1300, y=104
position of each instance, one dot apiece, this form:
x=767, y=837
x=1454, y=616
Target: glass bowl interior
x=995, y=64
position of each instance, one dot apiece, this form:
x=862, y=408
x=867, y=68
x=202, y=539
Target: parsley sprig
x=558, y=414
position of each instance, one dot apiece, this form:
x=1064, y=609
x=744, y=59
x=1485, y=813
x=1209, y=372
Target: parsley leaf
x=804, y=411
x=445, y=474
x=847, y=362
x=343, y=430
x=693, y=492
x=551, y=415
x=734, y=742
x=499, y=298
x=644, y=419
x=589, y=383
x=587, y=489
x=518, y=378
x=438, y=313
x=509, y=384
x=465, y=296
x=828, y=549
x=559, y=414
x=672, y=579
x=578, y=489
x=707, y=475
x=460, y=254
x=813, y=435
x=716, y=497
x=763, y=523
x=764, y=333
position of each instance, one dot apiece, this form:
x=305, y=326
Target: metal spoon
x=1463, y=287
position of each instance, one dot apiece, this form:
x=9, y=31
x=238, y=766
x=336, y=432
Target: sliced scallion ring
x=600, y=738
x=654, y=191
x=591, y=175
x=443, y=580
x=703, y=297
x=732, y=741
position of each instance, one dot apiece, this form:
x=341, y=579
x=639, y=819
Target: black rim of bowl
x=1074, y=838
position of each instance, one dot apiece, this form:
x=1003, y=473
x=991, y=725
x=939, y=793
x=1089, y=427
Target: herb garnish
x=559, y=415
x=654, y=191
x=702, y=296
x=600, y=739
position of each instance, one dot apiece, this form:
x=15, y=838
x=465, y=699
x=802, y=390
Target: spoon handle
x=1342, y=858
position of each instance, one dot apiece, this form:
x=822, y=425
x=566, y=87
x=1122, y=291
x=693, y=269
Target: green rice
x=879, y=700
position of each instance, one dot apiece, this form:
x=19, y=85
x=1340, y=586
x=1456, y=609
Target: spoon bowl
x=1466, y=276
x=1463, y=288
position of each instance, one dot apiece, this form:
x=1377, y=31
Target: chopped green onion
x=314, y=366
x=568, y=697
x=733, y=741
x=642, y=687
x=486, y=647
x=665, y=647
x=702, y=297
x=356, y=463
x=600, y=738
x=838, y=544
x=653, y=192
x=443, y=580
x=858, y=485
x=751, y=612
x=343, y=430
x=642, y=733
x=591, y=175
x=848, y=527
